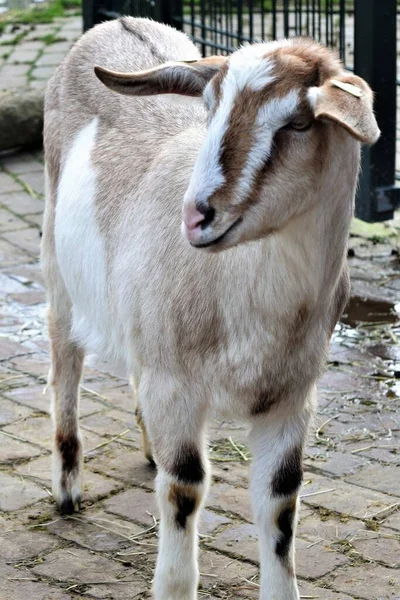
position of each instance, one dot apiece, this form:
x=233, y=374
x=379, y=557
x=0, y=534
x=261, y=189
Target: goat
x=234, y=316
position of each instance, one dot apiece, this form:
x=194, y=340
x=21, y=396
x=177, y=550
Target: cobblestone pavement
x=349, y=531
x=30, y=53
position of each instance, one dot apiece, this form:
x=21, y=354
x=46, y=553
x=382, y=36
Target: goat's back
x=74, y=94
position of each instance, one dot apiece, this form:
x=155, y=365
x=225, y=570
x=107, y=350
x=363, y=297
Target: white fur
x=81, y=251
x=271, y=117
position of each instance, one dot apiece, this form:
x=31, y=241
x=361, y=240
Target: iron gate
x=364, y=33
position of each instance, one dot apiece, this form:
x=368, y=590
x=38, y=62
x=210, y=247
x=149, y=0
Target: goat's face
x=273, y=111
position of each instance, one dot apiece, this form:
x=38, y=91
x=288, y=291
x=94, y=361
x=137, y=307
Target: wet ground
x=348, y=543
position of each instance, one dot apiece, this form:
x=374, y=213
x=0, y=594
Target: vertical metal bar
x=170, y=12
x=342, y=30
x=251, y=24
x=286, y=18
x=203, y=22
x=240, y=20
x=274, y=19
x=375, y=61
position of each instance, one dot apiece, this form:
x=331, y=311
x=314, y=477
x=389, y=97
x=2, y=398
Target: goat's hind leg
x=147, y=451
x=65, y=375
x=277, y=440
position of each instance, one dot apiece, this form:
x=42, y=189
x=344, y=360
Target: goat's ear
x=186, y=78
x=347, y=100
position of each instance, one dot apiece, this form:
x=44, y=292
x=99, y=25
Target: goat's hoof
x=68, y=506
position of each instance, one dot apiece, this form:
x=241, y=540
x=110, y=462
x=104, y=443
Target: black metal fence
x=364, y=33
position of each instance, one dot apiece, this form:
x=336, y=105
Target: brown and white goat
x=232, y=317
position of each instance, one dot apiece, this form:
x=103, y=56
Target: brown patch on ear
x=351, y=112
x=187, y=78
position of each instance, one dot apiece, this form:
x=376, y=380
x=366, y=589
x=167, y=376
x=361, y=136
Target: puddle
x=367, y=310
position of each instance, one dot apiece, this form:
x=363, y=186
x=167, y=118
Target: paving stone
x=78, y=565
x=7, y=184
x=9, y=349
x=125, y=464
x=18, y=493
x=210, y=521
x=316, y=560
x=94, y=485
x=34, y=364
x=119, y=396
x=344, y=498
x=325, y=527
x=35, y=219
x=311, y=590
x=12, y=449
x=39, y=430
x=35, y=179
x=374, y=477
x=371, y=583
x=21, y=162
x=9, y=222
x=216, y=569
x=29, y=274
x=96, y=531
x=240, y=541
x=21, y=203
x=50, y=57
x=19, y=545
x=224, y=497
x=234, y=473
x=13, y=81
x=113, y=423
x=135, y=505
x=12, y=588
x=30, y=298
x=394, y=521
x=24, y=55
x=379, y=548
x=30, y=45
x=32, y=395
x=11, y=411
x=27, y=240
x=44, y=72
x=338, y=463
x=10, y=255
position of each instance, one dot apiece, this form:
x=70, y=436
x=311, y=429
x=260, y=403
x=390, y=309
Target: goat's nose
x=194, y=216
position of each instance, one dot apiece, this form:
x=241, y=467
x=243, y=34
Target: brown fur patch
x=69, y=448
x=185, y=500
x=285, y=521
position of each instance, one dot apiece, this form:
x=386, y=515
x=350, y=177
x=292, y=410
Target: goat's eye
x=299, y=125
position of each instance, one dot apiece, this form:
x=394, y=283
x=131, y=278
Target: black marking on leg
x=285, y=525
x=185, y=500
x=69, y=448
x=188, y=466
x=288, y=477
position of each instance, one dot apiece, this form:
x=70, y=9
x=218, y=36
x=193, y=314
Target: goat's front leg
x=277, y=440
x=175, y=419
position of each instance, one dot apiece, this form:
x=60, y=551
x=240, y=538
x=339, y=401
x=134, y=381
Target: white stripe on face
x=271, y=117
x=247, y=68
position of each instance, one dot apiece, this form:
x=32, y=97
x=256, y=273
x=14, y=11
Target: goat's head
x=277, y=114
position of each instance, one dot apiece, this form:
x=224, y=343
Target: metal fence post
x=170, y=12
x=375, y=59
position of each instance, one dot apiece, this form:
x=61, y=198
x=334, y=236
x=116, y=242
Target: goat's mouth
x=220, y=238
